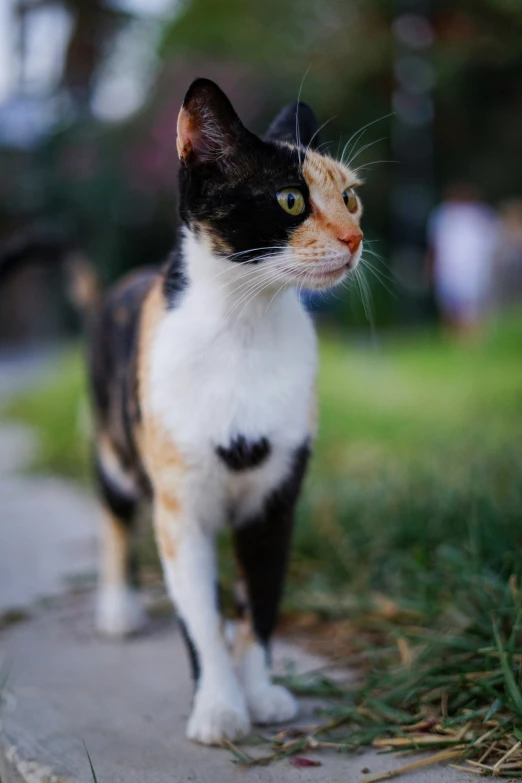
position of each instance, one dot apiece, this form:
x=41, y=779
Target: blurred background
x=416, y=488
x=90, y=90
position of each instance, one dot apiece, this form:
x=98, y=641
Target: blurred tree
x=95, y=24
x=479, y=102
x=114, y=185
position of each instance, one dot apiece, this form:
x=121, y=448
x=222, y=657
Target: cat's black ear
x=296, y=123
x=208, y=127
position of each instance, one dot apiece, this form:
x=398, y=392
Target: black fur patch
x=238, y=204
x=232, y=195
x=124, y=509
x=295, y=124
x=262, y=545
x=194, y=658
x=243, y=454
x=195, y=664
x=120, y=504
x=175, y=280
x=113, y=350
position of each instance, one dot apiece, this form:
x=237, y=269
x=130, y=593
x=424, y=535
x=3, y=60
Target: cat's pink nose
x=352, y=238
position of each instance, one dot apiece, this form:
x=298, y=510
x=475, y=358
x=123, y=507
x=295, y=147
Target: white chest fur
x=215, y=376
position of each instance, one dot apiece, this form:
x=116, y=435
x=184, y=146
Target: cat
x=203, y=388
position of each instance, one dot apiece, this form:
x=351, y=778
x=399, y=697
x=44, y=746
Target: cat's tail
x=83, y=284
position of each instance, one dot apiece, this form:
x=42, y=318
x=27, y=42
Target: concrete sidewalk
x=129, y=703
x=47, y=528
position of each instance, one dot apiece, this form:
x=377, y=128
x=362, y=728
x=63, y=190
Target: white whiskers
x=297, y=131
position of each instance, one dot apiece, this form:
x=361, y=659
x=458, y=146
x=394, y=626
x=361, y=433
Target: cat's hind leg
x=262, y=547
x=119, y=608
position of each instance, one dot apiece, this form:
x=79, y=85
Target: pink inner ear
x=188, y=134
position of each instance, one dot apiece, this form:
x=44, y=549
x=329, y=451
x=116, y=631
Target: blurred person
x=462, y=234
x=508, y=254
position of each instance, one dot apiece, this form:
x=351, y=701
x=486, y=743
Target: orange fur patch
x=169, y=502
x=163, y=461
x=163, y=524
x=244, y=639
x=158, y=452
x=330, y=219
x=152, y=313
x=161, y=454
x=115, y=550
x=166, y=466
x=215, y=243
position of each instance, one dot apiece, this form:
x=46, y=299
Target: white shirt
x=463, y=236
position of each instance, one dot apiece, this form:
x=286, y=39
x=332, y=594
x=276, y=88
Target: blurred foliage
x=323, y=45
x=348, y=48
x=478, y=55
x=113, y=185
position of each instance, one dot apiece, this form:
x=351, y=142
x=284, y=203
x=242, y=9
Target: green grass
x=416, y=483
x=453, y=688
x=58, y=411
x=91, y=767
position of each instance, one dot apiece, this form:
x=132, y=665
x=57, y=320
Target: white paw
x=119, y=611
x=271, y=704
x=214, y=718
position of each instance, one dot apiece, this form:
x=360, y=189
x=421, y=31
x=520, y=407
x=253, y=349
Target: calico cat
x=202, y=377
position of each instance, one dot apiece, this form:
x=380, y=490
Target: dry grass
x=451, y=692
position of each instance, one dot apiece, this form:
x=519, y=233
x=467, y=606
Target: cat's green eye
x=291, y=200
x=350, y=199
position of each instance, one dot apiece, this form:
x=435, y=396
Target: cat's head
x=276, y=203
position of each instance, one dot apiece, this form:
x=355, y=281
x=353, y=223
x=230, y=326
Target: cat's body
x=220, y=427
x=202, y=377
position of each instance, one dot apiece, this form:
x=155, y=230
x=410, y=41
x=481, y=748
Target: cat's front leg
x=187, y=553
x=262, y=546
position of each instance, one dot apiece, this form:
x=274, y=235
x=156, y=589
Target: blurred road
x=47, y=534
